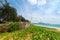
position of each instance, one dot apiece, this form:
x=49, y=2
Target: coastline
x=49, y=27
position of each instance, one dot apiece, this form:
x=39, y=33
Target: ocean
x=49, y=25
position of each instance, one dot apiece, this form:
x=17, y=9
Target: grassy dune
x=32, y=33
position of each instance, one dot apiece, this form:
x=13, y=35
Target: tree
x=8, y=13
x=21, y=18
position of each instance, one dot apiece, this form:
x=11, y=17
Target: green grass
x=31, y=33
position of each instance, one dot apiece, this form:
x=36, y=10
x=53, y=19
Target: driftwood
x=25, y=25
x=4, y=28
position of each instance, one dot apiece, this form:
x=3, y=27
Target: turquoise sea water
x=54, y=26
x=49, y=25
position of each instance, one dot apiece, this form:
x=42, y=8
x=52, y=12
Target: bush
x=10, y=26
x=14, y=26
x=4, y=27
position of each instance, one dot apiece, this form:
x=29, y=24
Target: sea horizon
x=48, y=26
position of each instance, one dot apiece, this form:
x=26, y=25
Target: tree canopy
x=9, y=13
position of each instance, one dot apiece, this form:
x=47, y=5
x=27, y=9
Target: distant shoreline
x=57, y=29
x=47, y=26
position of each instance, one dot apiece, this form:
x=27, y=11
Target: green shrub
x=10, y=26
x=4, y=27
x=14, y=26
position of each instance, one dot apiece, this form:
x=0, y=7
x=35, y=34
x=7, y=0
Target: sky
x=47, y=11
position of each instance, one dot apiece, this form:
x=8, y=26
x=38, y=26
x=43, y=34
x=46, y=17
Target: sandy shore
x=58, y=29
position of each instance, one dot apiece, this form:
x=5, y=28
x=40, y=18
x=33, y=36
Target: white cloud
x=41, y=2
x=33, y=2
x=35, y=17
x=51, y=19
x=37, y=2
x=48, y=17
x=49, y=11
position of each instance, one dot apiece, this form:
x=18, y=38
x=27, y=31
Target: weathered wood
x=25, y=25
x=4, y=28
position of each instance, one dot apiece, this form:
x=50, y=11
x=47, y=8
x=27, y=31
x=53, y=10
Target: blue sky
x=47, y=11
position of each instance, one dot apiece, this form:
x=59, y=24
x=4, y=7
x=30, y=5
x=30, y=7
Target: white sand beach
x=58, y=29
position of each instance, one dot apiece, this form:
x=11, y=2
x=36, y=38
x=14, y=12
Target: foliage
x=10, y=26
x=9, y=13
x=14, y=26
x=38, y=33
x=21, y=18
x=3, y=28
